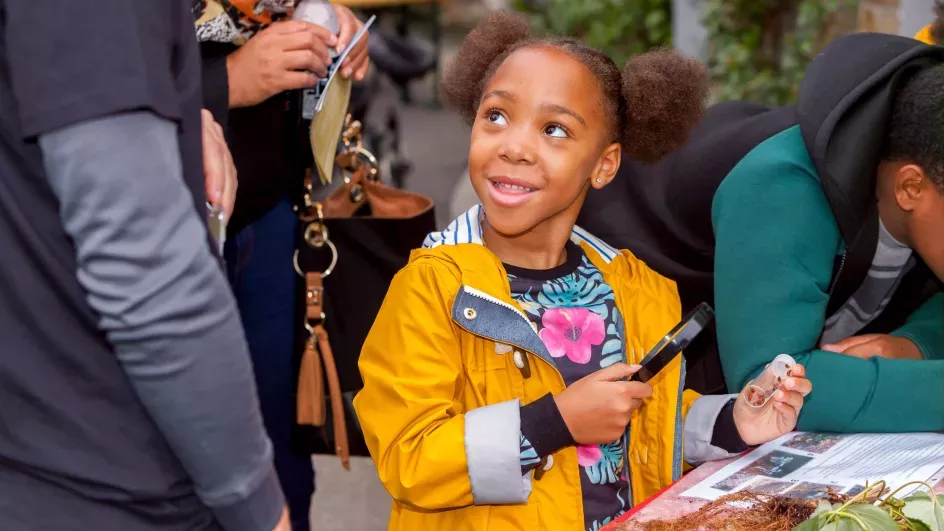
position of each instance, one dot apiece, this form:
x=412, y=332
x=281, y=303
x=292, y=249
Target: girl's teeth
x=513, y=187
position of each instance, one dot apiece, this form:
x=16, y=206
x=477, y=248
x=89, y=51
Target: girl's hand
x=598, y=407
x=779, y=416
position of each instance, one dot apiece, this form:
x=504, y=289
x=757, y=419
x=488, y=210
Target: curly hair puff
x=655, y=100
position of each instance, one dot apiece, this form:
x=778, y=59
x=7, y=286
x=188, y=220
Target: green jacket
x=773, y=203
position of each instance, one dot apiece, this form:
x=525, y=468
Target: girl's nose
x=517, y=148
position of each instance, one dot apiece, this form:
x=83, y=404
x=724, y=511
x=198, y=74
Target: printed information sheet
x=806, y=465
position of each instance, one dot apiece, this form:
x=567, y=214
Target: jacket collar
x=467, y=228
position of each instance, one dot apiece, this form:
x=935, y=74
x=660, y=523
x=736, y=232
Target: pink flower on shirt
x=571, y=332
x=588, y=454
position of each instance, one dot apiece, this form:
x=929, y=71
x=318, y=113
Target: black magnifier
x=674, y=342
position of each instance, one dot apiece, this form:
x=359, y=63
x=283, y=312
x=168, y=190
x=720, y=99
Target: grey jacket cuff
x=699, y=429
x=259, y=511
x=493, y=454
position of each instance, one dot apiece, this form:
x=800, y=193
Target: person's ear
x=910, y=184
x=607, y=166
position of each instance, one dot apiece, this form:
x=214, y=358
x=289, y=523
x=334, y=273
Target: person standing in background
x=126, y=392
x=255, y=58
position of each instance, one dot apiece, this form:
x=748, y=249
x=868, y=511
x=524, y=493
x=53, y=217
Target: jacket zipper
x=486, y=297
x=842, y=264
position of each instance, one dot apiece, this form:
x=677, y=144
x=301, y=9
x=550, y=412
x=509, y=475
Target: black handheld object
x=674, y=342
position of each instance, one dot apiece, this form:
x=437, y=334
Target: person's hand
x=356, y=62
x=883, y=345
x=288, y=55
x=598, y=407
x=776, y=418
x=284, y=523
x=219, y=172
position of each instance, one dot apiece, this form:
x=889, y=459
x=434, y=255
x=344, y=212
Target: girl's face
x=538, y=139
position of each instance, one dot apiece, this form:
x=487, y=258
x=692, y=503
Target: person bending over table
x=816, y=230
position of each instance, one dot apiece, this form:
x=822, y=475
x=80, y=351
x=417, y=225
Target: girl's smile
x=510, y=192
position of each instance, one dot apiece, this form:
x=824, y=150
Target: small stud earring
x=598, y=180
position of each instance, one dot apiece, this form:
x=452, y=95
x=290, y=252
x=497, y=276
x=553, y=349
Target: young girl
x=495, y=393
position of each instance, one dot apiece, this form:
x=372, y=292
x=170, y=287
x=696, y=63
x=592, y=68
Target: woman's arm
x=216, y=79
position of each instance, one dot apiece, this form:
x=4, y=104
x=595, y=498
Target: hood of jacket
x=843, y=107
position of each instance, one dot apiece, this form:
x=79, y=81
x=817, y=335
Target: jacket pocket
x=491, y=371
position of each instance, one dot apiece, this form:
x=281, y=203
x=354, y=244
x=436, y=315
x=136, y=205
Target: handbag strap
x=318, y=341
x=318, y=351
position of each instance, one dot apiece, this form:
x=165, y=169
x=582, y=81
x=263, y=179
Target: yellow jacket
x=440, y=403
x=925, y=35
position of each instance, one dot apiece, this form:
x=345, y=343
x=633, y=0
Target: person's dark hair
x=655, y=101
x=937, y=30
x=917, y=124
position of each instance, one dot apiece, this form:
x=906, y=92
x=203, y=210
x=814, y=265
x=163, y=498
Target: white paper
x=322, y=89
x=805, y=465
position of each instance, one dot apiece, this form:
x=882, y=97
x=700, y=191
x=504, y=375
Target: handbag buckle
x=316, y=234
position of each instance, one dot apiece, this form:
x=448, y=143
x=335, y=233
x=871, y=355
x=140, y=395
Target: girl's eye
x=555, y=131
x=496, y=118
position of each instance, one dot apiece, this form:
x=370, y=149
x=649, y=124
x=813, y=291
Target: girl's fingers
x=788, y=416
x=800, y=385
x=798, y=370
x=790, y=398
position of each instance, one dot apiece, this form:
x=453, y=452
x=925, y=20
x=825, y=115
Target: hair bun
x=665, y=94
x=498, y=32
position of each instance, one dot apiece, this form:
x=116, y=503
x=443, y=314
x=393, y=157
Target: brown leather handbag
x=353, y=242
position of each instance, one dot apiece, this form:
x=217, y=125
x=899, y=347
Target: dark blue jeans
x=259, y=265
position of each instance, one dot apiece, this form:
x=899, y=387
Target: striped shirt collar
x=467, y=228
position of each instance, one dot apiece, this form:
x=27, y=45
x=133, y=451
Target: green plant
x=870, y=511
x=758, y=49
x=618, y=27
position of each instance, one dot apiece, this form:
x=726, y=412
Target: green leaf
x=815, y=523
x=875, y=519
x=824, y=507
x=918, y=525
x=844, y=524
x=810, y=525
x=921, y=507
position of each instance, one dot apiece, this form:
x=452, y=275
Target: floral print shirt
x=577, y=319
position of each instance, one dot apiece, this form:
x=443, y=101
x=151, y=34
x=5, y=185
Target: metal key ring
x=334, y=260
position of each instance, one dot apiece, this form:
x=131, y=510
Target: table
x=670, y=504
